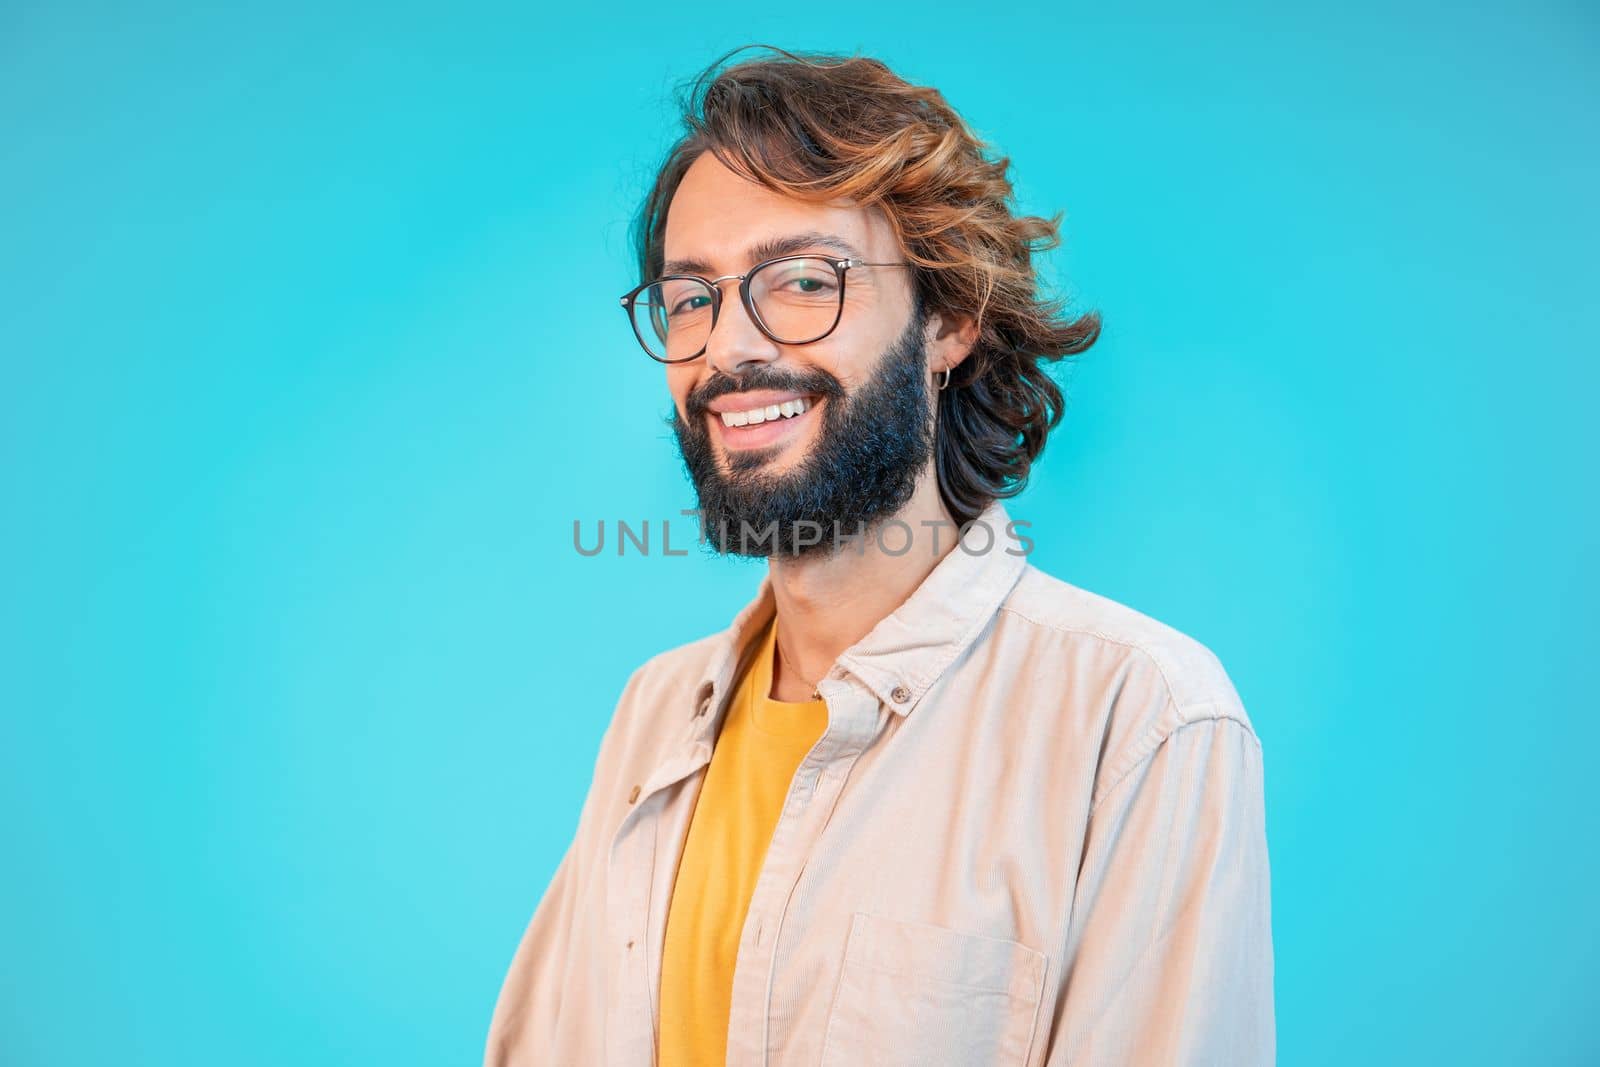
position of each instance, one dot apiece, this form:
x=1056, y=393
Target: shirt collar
x=911, y=647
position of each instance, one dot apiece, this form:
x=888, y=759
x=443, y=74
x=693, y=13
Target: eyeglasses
x=794, y=300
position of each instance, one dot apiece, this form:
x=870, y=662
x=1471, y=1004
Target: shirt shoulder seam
x=1157, y=736
x=1173, y=717
x=1141, y=649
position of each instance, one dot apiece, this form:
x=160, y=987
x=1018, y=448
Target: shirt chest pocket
x=912, y=993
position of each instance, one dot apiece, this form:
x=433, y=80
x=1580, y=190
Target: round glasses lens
x=673, y=317
x=798, y=299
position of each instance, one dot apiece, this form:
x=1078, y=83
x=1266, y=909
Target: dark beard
x=862, y=467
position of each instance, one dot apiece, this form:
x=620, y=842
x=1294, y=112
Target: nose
x=736, y=342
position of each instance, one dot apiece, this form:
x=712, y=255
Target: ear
x=949, y=339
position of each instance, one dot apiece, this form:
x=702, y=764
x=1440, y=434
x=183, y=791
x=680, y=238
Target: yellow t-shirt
x=761, y=743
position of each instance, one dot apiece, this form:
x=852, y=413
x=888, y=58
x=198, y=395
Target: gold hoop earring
x=946, y=383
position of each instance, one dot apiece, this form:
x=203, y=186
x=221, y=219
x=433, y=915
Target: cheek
x=850, y=360
x=679, y=383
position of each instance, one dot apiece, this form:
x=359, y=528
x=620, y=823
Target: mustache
x=814, y=382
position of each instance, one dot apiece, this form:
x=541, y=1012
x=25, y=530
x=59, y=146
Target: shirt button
x=900, y=694
x=633, y=795
x=630, y=943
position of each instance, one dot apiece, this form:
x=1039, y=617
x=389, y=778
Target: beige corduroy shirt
x=1031, y=834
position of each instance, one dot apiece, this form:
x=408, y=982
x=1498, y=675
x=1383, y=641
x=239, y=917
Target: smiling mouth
x=771, y=413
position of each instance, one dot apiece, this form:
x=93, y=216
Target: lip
x=765, y=434
x=760, y=398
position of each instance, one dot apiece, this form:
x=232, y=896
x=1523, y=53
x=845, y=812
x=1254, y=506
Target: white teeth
x=755, y=416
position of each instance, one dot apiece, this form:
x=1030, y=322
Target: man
x=921, y=803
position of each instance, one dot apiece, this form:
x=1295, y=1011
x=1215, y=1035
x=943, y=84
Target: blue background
x=311, y=356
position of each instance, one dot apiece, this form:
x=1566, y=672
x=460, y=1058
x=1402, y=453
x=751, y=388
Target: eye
x=694, y=303
x=805, y=280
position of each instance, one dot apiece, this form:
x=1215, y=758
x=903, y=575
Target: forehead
x=721, y=222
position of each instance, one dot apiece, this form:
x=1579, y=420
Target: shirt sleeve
x=530, y=998
x=527, y=1012
x=1169, y=948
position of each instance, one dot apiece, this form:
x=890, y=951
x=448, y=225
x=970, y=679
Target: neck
x=827, y=604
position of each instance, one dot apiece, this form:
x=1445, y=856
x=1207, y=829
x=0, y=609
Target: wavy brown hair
x=821, y=127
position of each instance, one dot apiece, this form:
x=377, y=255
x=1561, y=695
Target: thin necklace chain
x=815, y=695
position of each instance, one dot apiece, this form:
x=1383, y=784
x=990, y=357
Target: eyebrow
x=771, y=248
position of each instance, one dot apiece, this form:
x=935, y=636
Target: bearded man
x=920, y=803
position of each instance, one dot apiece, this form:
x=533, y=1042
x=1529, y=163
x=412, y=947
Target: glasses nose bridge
x=744, y=295
x=744, y=288
x=736, y=350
